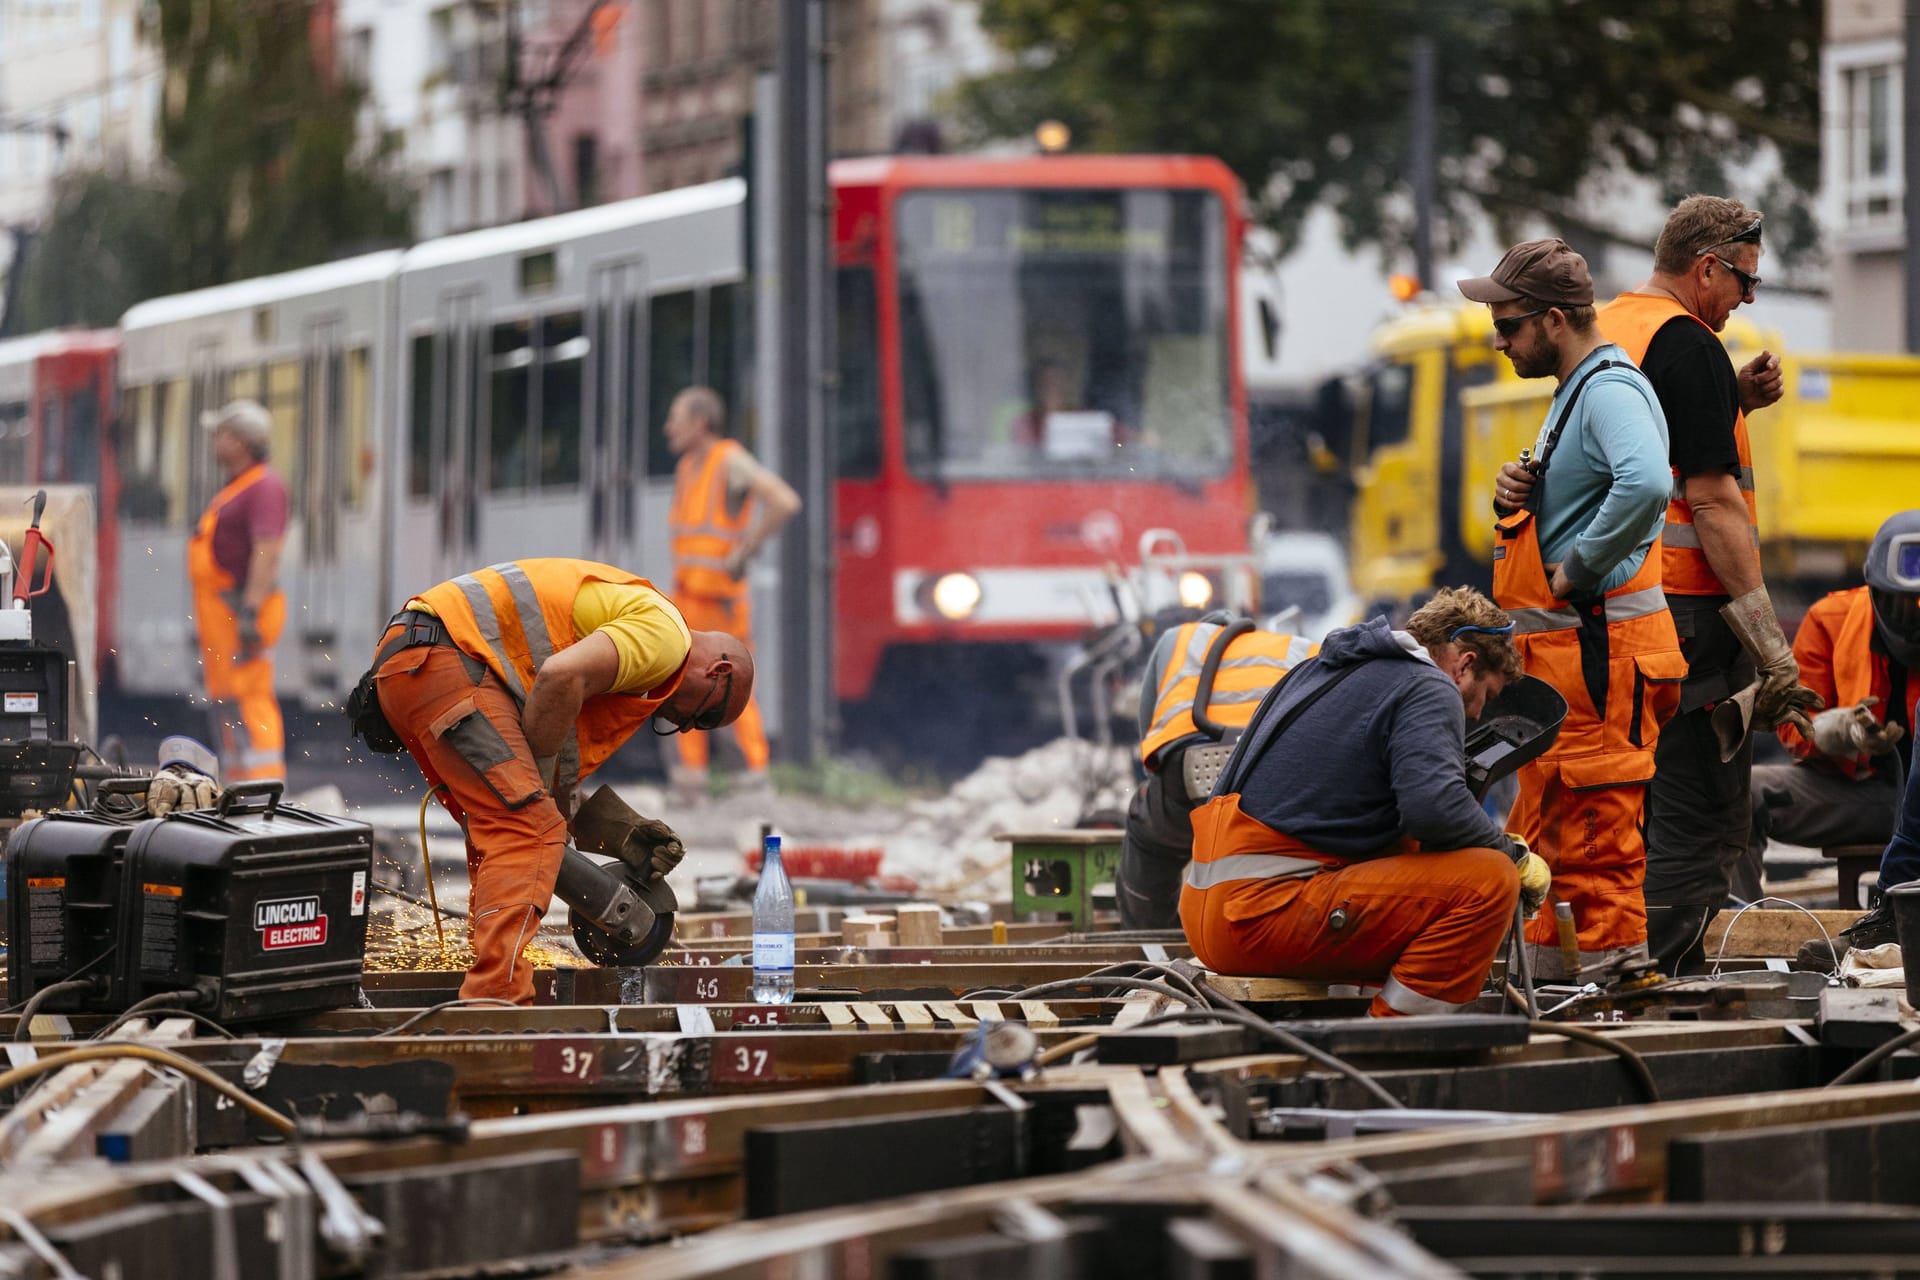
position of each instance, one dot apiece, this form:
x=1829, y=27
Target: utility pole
x=1910, y=115
x=1422, y=105
x=800, y=276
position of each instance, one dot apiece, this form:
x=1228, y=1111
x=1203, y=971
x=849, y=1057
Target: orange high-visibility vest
x=1836, y=639
x=704, y=534
x=1630, y=321
x=516, y=615
x=1252, y=664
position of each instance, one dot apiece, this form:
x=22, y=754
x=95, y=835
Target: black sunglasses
x=1748, y=281
x=1749, y=234
x=1507, y=326
x=708, y=716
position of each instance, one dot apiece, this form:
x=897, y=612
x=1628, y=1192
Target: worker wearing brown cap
x=1740, y=670
x=1577, y=566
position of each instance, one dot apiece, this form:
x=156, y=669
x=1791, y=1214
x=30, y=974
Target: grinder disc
x=609, y=952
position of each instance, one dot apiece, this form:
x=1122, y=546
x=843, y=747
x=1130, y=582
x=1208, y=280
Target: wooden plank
x=839, y=1016
x=918, y=925
x=987, y=1011
x=1766, y=933
x=1080, y=837
x=1244, y=988
x=1038, y=1014
x=953, y=1014
x=872, y=1015
x=913, y=1014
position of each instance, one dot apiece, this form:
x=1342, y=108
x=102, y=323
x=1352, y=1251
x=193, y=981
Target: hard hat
x=1893, y=579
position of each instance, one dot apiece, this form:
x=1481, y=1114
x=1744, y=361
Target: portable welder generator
x=63, y=907
x=256, y=907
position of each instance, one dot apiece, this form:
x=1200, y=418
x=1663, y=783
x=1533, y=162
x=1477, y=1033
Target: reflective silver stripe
x=1299, y=649
x=1248, y=866
x=1404, y=999
x=1636, y=604
x=1228, y=698
x=1195, y=658
x=533, y=624
x=702, y=562
x=482, y=605
x=1528, y=622
x=1546, y=963
x=1687, y=536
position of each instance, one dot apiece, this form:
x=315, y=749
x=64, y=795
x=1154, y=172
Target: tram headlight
x=1196, y=590
x=956, y=595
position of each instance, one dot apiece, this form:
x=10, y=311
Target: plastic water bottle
x=772, y=929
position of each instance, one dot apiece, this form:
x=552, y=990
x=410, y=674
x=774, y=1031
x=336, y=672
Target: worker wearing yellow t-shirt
x=509, y=685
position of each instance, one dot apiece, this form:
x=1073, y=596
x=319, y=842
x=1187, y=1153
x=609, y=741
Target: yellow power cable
x=433, y=895
x=186, y=1066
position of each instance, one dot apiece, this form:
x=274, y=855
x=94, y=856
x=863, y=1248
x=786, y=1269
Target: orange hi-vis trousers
x=732, y=615
x=1425, y=925
x=1582, y=805
x=463, y=729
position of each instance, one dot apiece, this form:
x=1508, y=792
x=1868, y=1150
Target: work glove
x=1846, y=732
x=177, y=788
x=1779, y=697
x=1536, y=877
x=250, y=642
x=609, y=825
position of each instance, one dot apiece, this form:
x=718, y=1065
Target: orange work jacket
x=212, y=585
x=516, y=615
x=1834, y=647
x=1252, y=664
x=1630, y=321
x=704, y=534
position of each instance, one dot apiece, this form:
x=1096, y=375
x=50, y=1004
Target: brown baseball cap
x=1547, y=271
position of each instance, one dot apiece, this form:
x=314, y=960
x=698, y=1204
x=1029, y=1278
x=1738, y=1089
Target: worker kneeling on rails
x=1342, y=842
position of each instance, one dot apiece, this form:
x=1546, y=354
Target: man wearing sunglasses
x=1739, y=663
x=1576, y=565
x=509, y=685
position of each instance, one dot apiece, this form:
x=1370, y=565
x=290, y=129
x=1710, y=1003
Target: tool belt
x=368, y=721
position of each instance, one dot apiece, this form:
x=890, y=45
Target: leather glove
x=1536, y=877
x=1846, y=732
x=177, y=788
x=1779, y=697
x=652, y=843
x=250, y=642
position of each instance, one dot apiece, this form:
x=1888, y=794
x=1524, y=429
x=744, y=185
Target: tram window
x=83, y=437
x=420, y=428
x=511, y=413
x=171, y=405
x=670, y=369
x=14, y=432
x=857, y=409
x=285, y=389
x=1389, y=410
x=724, y=354
x=563, y=362
x=359, y=394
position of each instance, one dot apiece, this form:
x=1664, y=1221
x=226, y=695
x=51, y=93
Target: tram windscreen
x=1064, y=332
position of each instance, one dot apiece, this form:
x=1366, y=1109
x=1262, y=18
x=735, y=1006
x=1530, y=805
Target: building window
x=586, y=170
x=1870, y=173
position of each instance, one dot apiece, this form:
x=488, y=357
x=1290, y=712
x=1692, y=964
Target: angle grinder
x=622, y=912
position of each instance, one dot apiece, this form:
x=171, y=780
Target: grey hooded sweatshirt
x=1381, y=756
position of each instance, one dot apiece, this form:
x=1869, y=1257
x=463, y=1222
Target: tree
x=1308, y=100
x=261, y=171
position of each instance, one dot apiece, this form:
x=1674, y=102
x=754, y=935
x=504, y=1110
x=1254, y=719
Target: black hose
x=1286, y=1040
x=1875, y=1057
x=22, y=1029
x=424, y=1014
x=1209, y=668
x=1110, y=980
x=1635, y=1064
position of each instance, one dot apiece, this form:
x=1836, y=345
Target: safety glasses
x=709, y=715
x=1747, y=280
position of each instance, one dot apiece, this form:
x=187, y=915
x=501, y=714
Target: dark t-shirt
x=259, y=512
x=1693, y=376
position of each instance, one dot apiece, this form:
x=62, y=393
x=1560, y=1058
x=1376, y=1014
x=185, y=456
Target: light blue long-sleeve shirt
x=1604, y=496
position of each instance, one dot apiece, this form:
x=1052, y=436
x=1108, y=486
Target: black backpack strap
x=1238, y=761
x=1566, y=411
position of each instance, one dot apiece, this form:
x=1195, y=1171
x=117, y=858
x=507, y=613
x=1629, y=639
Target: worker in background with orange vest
x=509, y=685
x=1576, y=562
x=233, y=562
x=725, y=507
x=1739, y=663
x=1342, y=842
x=1159, y=833
x=1860, y=651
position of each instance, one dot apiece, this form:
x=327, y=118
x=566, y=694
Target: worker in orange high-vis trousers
x=233, y=562
x=1159, y=831
x=725, y=507
x=1342, y=843
x=1741, y=672
x=509, y=685
x=1577, y=565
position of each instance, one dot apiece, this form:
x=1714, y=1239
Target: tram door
x=616, y=453
x=459, y=423
x=321, y=644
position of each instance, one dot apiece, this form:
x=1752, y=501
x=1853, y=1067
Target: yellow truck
x=1438, y=410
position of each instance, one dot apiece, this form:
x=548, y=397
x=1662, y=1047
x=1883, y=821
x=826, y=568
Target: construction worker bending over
x=725, y=506
x=509, y=685
x=1159, y=833
x=1860, y=651
x=1341, y=841
x=1698, y=808
x=1576, y=561
x=233, y=560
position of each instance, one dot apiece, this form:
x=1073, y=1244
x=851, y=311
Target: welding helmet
x=1893, y=579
